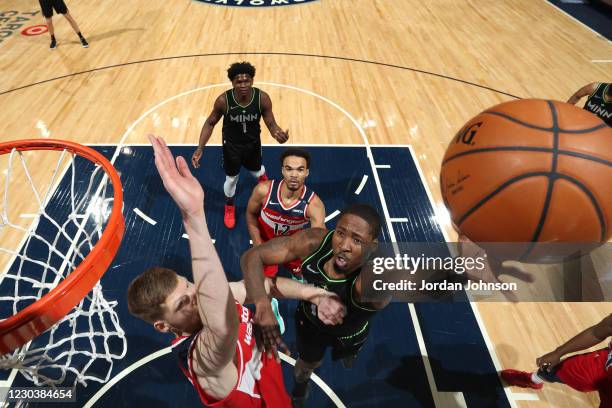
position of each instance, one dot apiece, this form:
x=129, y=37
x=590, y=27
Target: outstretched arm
x=329, y=306
x=217, y=342
x=587, y=338
x=584, y=91
x=207, y=128
x=277, y=251
x=268, y=116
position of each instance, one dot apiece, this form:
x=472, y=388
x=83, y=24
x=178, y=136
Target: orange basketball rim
x=34, y=319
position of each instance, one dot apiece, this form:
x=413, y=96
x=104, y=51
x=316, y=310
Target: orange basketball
x=530, y=171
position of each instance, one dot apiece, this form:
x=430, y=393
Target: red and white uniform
x=260, y=379
x=589, y=372
x=276, y=219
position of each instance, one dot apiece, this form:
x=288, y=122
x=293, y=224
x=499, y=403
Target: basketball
x=531, y=171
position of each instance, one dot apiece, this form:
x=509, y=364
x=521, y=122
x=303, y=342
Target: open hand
x=178, y=180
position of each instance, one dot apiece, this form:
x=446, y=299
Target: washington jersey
x=275, y=219
x=241, y=123
x=260, y=379
x=599, y=105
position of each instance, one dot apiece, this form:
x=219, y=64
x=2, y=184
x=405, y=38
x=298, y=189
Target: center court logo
x=255, y=3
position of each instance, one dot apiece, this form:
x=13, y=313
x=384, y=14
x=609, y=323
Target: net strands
x=81, y=347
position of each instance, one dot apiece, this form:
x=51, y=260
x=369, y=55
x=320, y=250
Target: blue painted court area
x=389, y=371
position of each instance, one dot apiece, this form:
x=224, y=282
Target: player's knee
x=229, y=187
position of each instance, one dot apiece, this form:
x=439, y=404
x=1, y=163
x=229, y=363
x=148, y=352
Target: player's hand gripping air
x=178, y=180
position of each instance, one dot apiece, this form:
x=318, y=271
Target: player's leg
x=47, y=9
x=346, y=348
x=252, y=160
x=60, y=8
x=311, y=345
x=231, y=166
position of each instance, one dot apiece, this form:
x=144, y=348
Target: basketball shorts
x=312, y=341
x=48, y=6
x=236, y=155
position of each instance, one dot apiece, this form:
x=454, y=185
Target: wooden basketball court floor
x=339, y=72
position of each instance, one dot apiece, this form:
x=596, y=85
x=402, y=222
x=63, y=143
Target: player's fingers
x=183, y=168
x=166, y=155
x=325, y=318
x=152, y=140
x=282, y=346
x=157, y=149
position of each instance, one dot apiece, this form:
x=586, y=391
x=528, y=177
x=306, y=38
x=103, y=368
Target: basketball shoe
x=520, y=379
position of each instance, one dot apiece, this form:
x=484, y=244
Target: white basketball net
x=65, y=224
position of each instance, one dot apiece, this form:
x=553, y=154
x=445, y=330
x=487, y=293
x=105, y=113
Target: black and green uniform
x=313, y=336
x=241, y=133
x=600, y=104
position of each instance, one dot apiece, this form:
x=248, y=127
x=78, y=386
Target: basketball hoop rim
x=34, y=319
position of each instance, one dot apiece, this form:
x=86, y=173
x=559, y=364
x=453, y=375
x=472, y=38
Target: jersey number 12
x=280, y=229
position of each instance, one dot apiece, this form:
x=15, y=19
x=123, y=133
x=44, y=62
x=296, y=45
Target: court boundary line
x=575, y=20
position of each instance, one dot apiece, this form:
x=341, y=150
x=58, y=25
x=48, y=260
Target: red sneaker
x=262, y=178
x=520, y=379
x=229, y=218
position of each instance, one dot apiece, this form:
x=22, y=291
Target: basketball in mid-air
x=531, y=171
